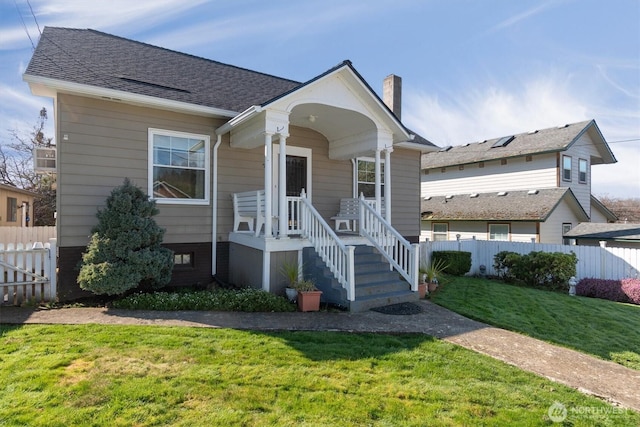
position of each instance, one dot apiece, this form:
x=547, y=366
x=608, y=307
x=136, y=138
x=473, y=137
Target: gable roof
x=95, y=59
x=605, y=231
x=534, y=205
x=538, y=142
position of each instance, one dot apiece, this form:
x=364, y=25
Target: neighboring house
x=16, y=206
x=193, y=132
x=531, y=186
x=618, y=235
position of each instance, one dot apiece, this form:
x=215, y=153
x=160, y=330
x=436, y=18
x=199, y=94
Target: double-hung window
x=498, y=231
x=566, y=168
x=440, y=231
x=366, y=177
x=582, y=171
x=178, y=167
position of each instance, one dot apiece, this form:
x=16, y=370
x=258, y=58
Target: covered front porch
x=277, y=221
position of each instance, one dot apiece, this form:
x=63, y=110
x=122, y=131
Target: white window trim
x=207, y=168
x=496, y=240
x=570, y=169
x=440, y=233
x=355, y=175
x=586, y=172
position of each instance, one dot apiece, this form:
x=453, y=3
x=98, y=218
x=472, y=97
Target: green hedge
x=458, y=262
x=542, y=270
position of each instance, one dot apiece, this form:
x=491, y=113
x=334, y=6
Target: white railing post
x=351, y=274
x=415, y=267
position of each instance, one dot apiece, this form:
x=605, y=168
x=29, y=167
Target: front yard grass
x=606, y=329
x=147, y=376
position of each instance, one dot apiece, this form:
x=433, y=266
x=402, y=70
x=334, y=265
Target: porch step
x=375, y=283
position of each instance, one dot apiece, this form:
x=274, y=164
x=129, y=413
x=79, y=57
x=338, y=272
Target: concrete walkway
x=607, y=380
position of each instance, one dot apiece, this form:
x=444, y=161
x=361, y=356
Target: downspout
x=214, y=203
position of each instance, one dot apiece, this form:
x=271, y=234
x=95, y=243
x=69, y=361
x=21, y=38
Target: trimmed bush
x=247, y=300
x=457, y=263
x=625, y=290
x=125, y=252
x=541, y=270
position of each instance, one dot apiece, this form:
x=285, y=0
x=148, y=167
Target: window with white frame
x=366, y=177
x=178, y=167
x=440, y=231
x=566, y=168
x=499, y=232
x=12, y=209
x=582, y=171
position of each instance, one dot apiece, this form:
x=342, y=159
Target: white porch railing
x=294, y=223
x=338, y=257
x=402, y=255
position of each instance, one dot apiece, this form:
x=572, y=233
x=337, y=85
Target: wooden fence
x=26, y=235
x=593, y=261
x=27, y=272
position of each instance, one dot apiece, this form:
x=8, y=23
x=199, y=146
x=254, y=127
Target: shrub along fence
x=593, y=261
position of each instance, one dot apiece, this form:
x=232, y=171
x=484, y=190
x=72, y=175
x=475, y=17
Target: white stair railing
x=338, y=257
x=402, y=255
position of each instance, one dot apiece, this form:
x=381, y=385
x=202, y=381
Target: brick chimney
x=392, y=94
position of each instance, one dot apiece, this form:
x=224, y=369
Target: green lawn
x=602, y=328
x=145, y=376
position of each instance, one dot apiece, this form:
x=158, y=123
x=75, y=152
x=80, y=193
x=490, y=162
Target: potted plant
x=292, y=272
x=308, y=295
x=431, y=273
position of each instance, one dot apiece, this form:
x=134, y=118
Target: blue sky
x=471, y=70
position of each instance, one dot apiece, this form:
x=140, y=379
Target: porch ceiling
x=350, y=133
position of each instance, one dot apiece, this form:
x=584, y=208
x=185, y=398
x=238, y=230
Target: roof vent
x=447, y=148
x=427, y=198
x=563, y=126
x=473, y=195
x=532, y=192
x=531, y=132
x=448, y=196
x=502, y=193
x=503, y=142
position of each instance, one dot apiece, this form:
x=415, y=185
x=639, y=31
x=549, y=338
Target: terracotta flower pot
x=422, y=290
x=309, y=300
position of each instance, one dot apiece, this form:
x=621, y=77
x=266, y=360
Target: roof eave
x=48, y=87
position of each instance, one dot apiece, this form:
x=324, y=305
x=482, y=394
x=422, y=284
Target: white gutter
x=214, y=204
x=239, y=119
x=416, y=146
x=44, y=86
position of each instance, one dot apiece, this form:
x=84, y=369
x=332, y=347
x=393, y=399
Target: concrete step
x=379, y=288
x=369, y=302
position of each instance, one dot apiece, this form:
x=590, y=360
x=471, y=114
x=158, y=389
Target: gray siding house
x=197, y=135
x=530, y=186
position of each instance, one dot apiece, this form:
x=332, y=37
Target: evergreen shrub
x=125, y=251
x=457, y=263
x=542, y=270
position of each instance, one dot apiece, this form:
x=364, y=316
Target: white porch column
x=283, y=214
x=387, y=183
x=378, y=183
x=268, y=170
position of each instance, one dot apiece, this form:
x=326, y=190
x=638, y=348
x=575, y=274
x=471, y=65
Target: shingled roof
x=535, y=205
x=537, y=142
x=605, y=231
x=93, y=58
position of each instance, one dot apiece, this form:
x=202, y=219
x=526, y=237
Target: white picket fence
x=28, y=272
x=593, y=261
x=26, y=235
